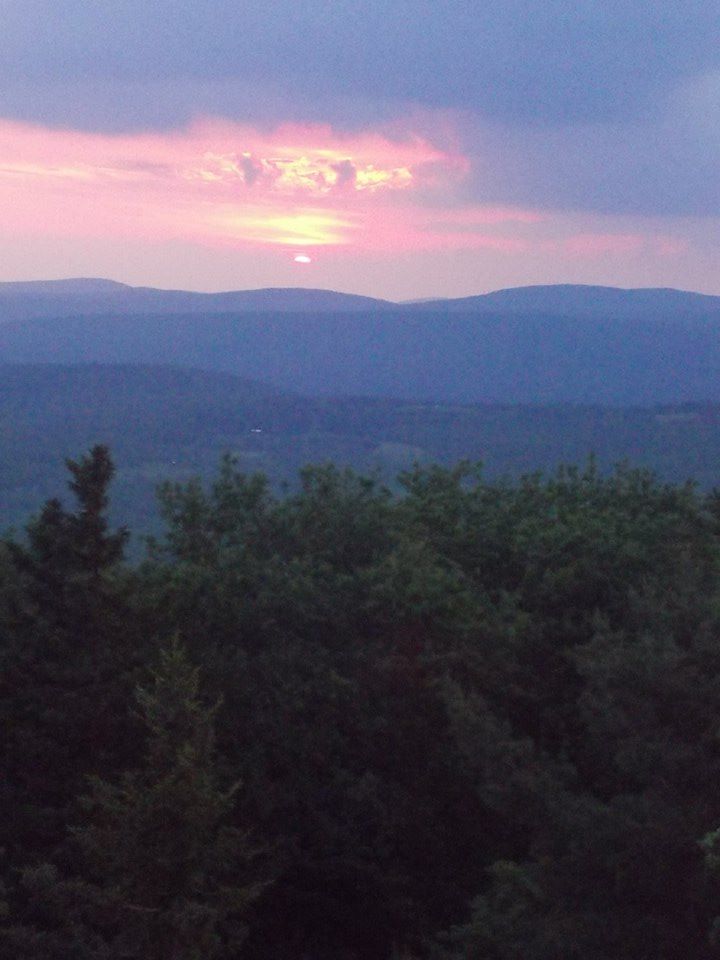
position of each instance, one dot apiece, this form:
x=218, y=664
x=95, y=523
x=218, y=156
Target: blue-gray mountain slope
x=597, y=345
x=171, y=423
x=97, y=297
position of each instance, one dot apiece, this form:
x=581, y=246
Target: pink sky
x=219, y=205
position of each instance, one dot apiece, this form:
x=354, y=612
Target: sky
x=402, y=150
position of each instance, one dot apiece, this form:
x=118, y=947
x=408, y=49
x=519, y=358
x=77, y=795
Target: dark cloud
x=251, y=169
x=598, y=104
x=665, y=165
x=555, y=61
x=346, y=173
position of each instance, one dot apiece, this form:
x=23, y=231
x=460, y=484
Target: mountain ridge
x=589, y=300
x=558, y=344
x=24, y=300
x=170, y=423
x=416, y=355
x=96, y=296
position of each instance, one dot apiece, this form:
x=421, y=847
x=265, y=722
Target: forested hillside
x=167, y=422
x=440, y=356
x=534, y=345
x=475, y=720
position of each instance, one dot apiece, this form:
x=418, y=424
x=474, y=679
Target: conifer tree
x=68, y=647
x=94, y=548
x=168, y=878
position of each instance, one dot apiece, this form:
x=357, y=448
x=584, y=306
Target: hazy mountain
x=590, y=302
x=417, y=354
x=80, y=286
x=92, y=297
x=166, y=423
x=555, y=344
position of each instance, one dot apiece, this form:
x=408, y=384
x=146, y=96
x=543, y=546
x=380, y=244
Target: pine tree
x=168, y=878
x=69, y=643
x=70, y=554
x=94, y=548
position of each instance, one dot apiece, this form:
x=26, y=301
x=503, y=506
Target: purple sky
x=407, y=150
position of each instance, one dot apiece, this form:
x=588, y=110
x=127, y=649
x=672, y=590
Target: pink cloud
x=671, y=246
x=471, y=217
x=218, y=183
x=594, y=244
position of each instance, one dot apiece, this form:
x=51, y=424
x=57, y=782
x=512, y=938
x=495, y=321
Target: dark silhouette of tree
x=162, y=873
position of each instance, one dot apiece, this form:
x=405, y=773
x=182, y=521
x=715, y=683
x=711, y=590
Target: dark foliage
x=164, y=422
x=475, y=719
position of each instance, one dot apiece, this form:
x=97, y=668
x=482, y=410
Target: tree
x=162, y=876
x=69, y=555
x=68, y=645
x=169, y=879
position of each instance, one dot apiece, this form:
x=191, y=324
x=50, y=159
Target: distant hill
x=415, y=354
x=97, y=297
x=542, y=344
x=169, y=423
x=46, y=289
x=584, y=302
x=93, y=297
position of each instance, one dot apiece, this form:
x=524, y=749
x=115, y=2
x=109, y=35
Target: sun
x=302, y=258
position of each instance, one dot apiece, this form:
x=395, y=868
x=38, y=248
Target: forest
x=174, y=423
x=459, y=718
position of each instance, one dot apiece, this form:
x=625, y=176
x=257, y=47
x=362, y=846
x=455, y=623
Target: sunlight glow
x=218, y=183
x=313, y=172
x=223, y=185
x=301, y=228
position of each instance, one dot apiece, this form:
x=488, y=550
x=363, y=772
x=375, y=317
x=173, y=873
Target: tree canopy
x=472, y=720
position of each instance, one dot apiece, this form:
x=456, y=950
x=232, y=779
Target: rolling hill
x=100, y=297
x=97, y=297
x=434, y=355
x=558, y=344
x=169, y=423
x=587, y=302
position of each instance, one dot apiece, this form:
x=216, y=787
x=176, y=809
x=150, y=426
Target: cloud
x=608, y=107
x=554, y=62
x=222, y=186
x=346, y=173
x=664, y=163
x=299, y=227
x=296, y=172
x=592, y=244
x=220, y=182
